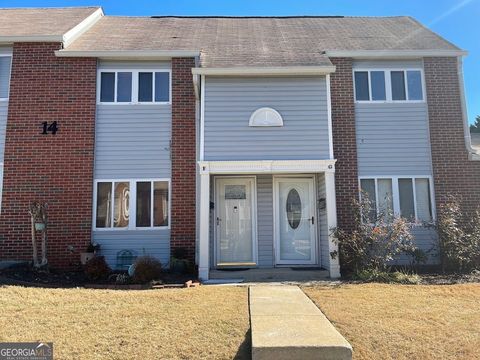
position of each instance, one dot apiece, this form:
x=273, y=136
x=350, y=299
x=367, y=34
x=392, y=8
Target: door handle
x=218, y=221
x=313, y=220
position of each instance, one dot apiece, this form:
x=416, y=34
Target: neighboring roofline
x=78, y=30
x=394, y=54
x=30, y=38
x=129, y=54
x=67, y=38
x=267, y=71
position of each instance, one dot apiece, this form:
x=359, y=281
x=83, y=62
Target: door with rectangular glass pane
x=235, y=221
x=295, y=239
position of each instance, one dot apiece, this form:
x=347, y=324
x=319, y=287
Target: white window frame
x=7, y=54
x=132, y=223
x=135, y=73
x=396, y=195
x=388, y=86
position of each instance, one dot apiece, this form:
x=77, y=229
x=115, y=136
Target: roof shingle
x=259, y=41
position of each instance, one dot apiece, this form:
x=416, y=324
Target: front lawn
x=198, y=323
x=404, y=321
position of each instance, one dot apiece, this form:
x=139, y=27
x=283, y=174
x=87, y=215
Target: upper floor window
x=388, y=85
x=5, y=62
x=409, y=197
x=134, y=87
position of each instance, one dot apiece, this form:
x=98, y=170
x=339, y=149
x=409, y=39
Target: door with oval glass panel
x=295, y=235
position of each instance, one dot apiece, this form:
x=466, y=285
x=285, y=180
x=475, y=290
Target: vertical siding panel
x=265, y=220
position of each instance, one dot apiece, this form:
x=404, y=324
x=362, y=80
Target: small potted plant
x=179, y=263
x=92, y=249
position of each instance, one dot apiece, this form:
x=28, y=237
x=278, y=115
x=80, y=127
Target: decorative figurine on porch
x=39, y=218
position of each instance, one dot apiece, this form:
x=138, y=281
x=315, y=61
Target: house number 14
x=49, y=128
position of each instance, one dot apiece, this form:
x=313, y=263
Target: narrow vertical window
x=422, y=196
x=368, y=189
x=407, y=206
x=361, y=86
x=160, y=203
x=398, y=85
x=107, y=87
x=4, y=76
x=104, y=205
x=145, y=87
x=124, y=87
x=385, y=198
x=414, y=82
x=378, y=85
x=121, y=204
x=144, y=204
x=162, y=86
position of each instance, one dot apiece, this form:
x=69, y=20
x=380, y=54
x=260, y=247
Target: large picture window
x=134, y=86
x=388, y=85
x=149, y=199
x=409, y=197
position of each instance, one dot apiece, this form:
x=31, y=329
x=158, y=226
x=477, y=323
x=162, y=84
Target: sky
x=456, y=20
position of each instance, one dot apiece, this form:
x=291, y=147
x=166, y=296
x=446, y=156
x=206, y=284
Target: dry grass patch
x=404, y=321
x=199, y=323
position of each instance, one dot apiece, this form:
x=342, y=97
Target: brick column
x=57, y=169
x=344, y=140
x=453, y=172
x=183, y=157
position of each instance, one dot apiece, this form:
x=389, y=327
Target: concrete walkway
x=286, y=324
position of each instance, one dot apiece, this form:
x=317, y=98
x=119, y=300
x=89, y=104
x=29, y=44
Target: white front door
x=294, y=220
x=235, y=221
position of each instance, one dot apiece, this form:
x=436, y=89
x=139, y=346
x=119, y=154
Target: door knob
x=218, y=221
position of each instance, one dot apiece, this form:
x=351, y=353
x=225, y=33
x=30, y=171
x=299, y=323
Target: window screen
x=378, y=85
x=107, y=87
x=162, y=86
x=361, y=86
x=124, y=87
x=414, y=80
x=407, y=207
x=398, y=85
x=145, y=87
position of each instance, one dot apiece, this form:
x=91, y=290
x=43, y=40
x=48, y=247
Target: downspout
x=472, y=153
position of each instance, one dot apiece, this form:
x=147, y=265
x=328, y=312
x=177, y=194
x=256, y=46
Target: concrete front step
x=271, y=275
x=286, y=324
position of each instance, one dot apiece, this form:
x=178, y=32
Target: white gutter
x=393, y=54
x=472, y=153
x=266, y=71
x=30, y=38
x=74, y=33
x=129, y=54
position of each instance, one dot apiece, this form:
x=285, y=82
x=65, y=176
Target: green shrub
x=97, y=268
x=373, y=241
x=146, y=268
x=396, y=277
x=459, y=237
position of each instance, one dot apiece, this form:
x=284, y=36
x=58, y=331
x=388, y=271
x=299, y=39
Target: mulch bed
x=24, y=275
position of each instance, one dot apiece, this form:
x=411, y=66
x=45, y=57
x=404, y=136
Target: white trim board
x=78, y=30
x=128, y=54
x=394, y=54
x=267, y=166
x=266, y=71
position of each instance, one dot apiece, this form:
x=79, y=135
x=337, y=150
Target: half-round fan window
x=294, y=208
x=266, y=117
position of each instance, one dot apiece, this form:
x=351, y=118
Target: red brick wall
x=453, y=172
x=183, y=157
x=54, y=169
x=344, y=140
